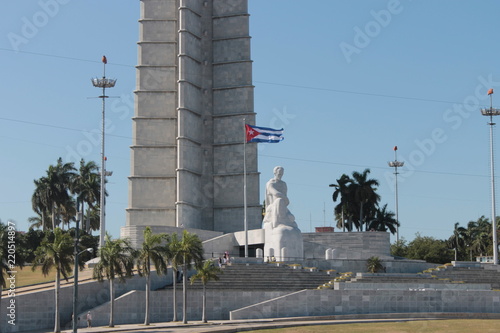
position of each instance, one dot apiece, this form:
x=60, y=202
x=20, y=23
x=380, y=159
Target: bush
x=374, y=265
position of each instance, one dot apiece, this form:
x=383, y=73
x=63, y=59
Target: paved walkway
x=229, y=326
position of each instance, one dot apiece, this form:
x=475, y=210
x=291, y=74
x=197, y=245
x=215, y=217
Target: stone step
x=264, y=277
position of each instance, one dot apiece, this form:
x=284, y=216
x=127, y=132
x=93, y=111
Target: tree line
x=359, y=207
x=63, y=191
x=464, y=244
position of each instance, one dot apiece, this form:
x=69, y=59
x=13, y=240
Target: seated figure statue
x=283, y=238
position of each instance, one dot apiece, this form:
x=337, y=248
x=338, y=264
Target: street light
x=396, y=164
x=103, y=83
x=490, y=112
x=75, y=272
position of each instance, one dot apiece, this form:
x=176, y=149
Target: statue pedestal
x=283, y=242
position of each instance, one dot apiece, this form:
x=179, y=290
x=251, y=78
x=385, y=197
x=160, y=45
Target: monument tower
x=194, y=93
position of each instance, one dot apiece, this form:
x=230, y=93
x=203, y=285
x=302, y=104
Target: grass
x=428, y=326
x=26, y=277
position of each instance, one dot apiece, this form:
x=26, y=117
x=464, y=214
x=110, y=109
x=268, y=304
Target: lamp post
x=490, y=112
x=396, y=164
x=103, y=83
x=74, y=318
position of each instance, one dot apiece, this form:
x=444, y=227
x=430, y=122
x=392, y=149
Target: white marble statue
x=283, y=239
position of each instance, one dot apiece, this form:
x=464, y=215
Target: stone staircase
x=264, y=277
x=470, y=275
x=394, y=278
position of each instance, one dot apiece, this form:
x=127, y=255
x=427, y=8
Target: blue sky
x=348, y=80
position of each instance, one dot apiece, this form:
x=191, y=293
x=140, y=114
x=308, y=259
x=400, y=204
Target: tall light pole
x=396, y=164
x=103, y=83
x=490, y=112
x=74, y=318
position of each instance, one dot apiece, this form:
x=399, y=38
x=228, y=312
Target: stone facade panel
x=191, y=22
x=230, y=27
x=156, y=78
x=233, y=101
x=154, y=162
x=233, y=74
x=158, y=31
x=158, y=9
x=155, y=132
x=231, y=219
x=157, y=54
x=152, y=192
x=229, y=130
x=191, y=46
x=193, y=100
x=189, y=157
x=231, y=50
x=156, y=105
x=229, y=7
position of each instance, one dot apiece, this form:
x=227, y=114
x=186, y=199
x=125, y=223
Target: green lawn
x=26, y=276
x=428, y=326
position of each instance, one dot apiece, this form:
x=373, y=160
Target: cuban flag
x=263, y=134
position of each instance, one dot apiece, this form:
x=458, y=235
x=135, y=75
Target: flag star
x=250, y=132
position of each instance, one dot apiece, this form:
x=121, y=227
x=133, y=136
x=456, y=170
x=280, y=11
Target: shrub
x=374, y=264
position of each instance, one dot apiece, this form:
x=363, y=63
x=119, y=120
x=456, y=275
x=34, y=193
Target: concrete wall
x=347, y=245
x=343, y=302
x=35, y=310
x=130, y=308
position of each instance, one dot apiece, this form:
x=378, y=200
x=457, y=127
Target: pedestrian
x=220, y=261
x=89, y=320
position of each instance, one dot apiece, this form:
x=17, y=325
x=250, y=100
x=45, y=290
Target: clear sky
x=348, y=80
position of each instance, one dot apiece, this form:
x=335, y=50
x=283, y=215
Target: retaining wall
x=344, y=302
x=35, y=310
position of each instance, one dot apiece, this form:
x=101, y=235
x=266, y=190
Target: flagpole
x=245, y=225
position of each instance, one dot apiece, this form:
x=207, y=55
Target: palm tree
x=191, y=251
x=92, y=218
x=175, y=258
x=364, y=193
x=482, y=238
x=374, y=265
x=116, y=261
x=67, y=211
x=154, y=250
x=87, y=186
x=469, y=236
x=52, y=191
x=4, y=267
x=39, y=221
x=40, y=204
x=342, y=209
x=56, y=251
x=384, y=220
x=457, y=239
x=205, y=273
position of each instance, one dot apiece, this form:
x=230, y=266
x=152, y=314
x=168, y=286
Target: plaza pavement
x=229, y=326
